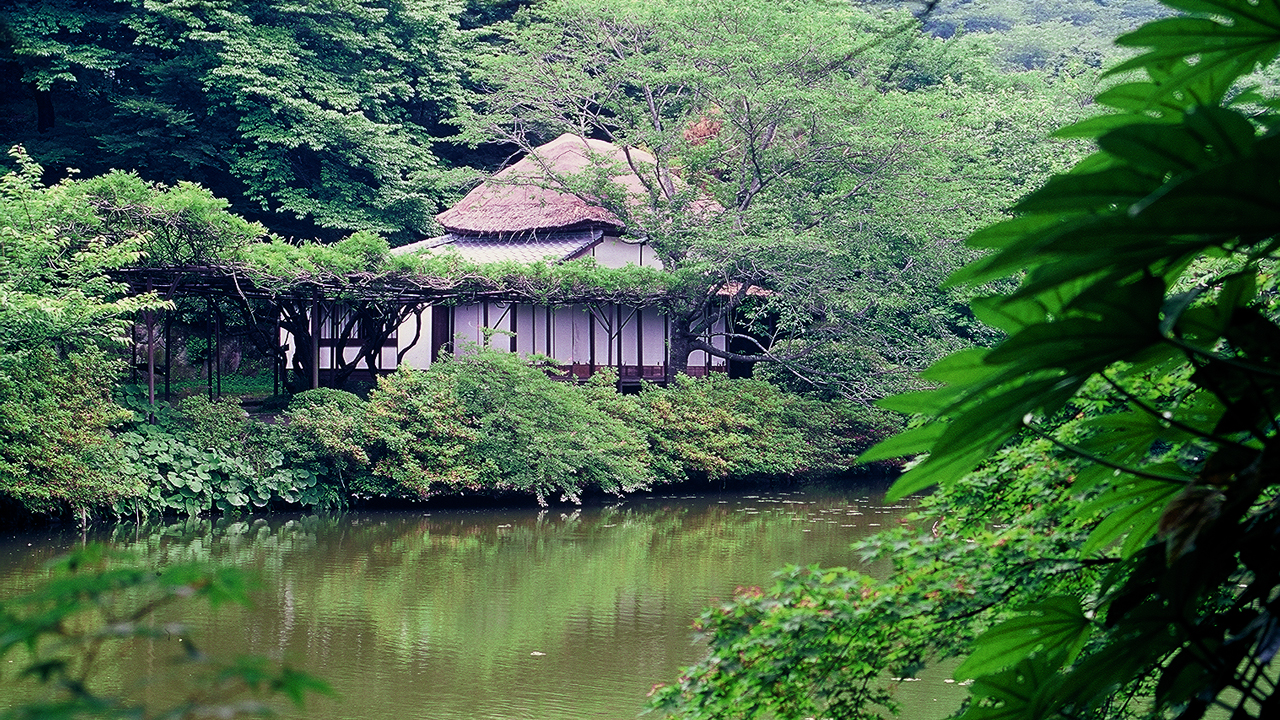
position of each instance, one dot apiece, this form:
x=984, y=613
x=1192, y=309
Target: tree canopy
x=786, y=136
x=316, y=118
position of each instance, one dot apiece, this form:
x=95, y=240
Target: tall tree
x=61, y=315
x=315, y=118
x=791, y=145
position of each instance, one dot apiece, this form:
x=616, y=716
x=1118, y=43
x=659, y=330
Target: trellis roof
x=403, y=287
x=525, y=248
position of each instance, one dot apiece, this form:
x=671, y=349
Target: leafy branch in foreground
x=1148, y=265
x=1143, y=352
x=96, y=600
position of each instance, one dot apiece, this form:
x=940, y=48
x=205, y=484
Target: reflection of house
x=518, y=216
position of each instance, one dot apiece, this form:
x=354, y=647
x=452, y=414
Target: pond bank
x=483, y=425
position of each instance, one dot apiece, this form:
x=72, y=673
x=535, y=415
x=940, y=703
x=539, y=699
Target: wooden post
x=217, y=327
x=151, y=359
x=168, y=352
x=315, y=344
x=208, y=339
x=639, y=318
x=276, y=358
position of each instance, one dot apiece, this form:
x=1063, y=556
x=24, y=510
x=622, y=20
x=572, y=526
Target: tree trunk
x=679, y=345
x=44, y=109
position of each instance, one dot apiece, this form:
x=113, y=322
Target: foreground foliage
x=95, y=601
x=1142, y=347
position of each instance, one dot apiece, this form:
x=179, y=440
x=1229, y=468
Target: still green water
x=565, y=613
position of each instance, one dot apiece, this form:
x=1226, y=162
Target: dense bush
x=486, y=423
x=538, y=435
x=721, y=428
x=490, y=422
x=55, y=448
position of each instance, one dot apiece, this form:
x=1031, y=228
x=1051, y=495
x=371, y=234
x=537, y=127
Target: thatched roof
x=521, y=198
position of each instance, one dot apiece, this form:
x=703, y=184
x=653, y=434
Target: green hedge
x=490, y=422
x=486, y=423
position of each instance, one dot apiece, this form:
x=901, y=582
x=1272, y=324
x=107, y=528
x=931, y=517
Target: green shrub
x=722, y=428
x=207, y=456
x=213, y=425
x=540, y=435
x=491, y=421
x=56, y=450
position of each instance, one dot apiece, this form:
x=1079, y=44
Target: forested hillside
x=325, y=118
x=848, y=149
x=1055, y=36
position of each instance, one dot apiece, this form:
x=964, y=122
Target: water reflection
x=567, y=613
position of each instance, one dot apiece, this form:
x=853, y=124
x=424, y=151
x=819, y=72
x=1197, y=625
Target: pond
x=565, y=613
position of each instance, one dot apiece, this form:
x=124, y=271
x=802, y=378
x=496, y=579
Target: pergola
x=366, y=308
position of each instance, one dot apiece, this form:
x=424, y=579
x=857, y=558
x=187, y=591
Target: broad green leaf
x=1073, y=345
x=1004, y=233
x=1226, y=131
x=1157, y=148
x=905, y=443
x=1137, y=641
x=961, y=368
x=1056, y=628
x=1140, y=98
x=1115, y=187
x=1132, y=510
x=999, y=415
x=1093, y=475
x=923, y=402
x=1009, y=315
x=1095, y=126
x=1127, y=437
x=934, y=470
x=1014, y=694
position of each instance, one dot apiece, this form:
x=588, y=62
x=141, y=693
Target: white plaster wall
x=719, y=342
x=526, y=328
x=468, y=320
x=630, y=333
x=419, y=356
x=613, y=253
x=655, y=338
x=570, y=334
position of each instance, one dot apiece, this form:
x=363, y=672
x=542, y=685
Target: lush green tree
x=831, y=156
x=1142, y=345
x=62, y=316
x=317, y=119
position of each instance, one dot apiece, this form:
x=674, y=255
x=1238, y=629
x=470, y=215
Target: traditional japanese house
x=521, y=215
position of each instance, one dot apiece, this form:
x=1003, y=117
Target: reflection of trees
x=469, y=594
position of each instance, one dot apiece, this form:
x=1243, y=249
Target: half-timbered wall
x=581, y=337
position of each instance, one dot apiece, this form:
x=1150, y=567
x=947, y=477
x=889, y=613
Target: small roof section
x=521, y=198
x=527, y=248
